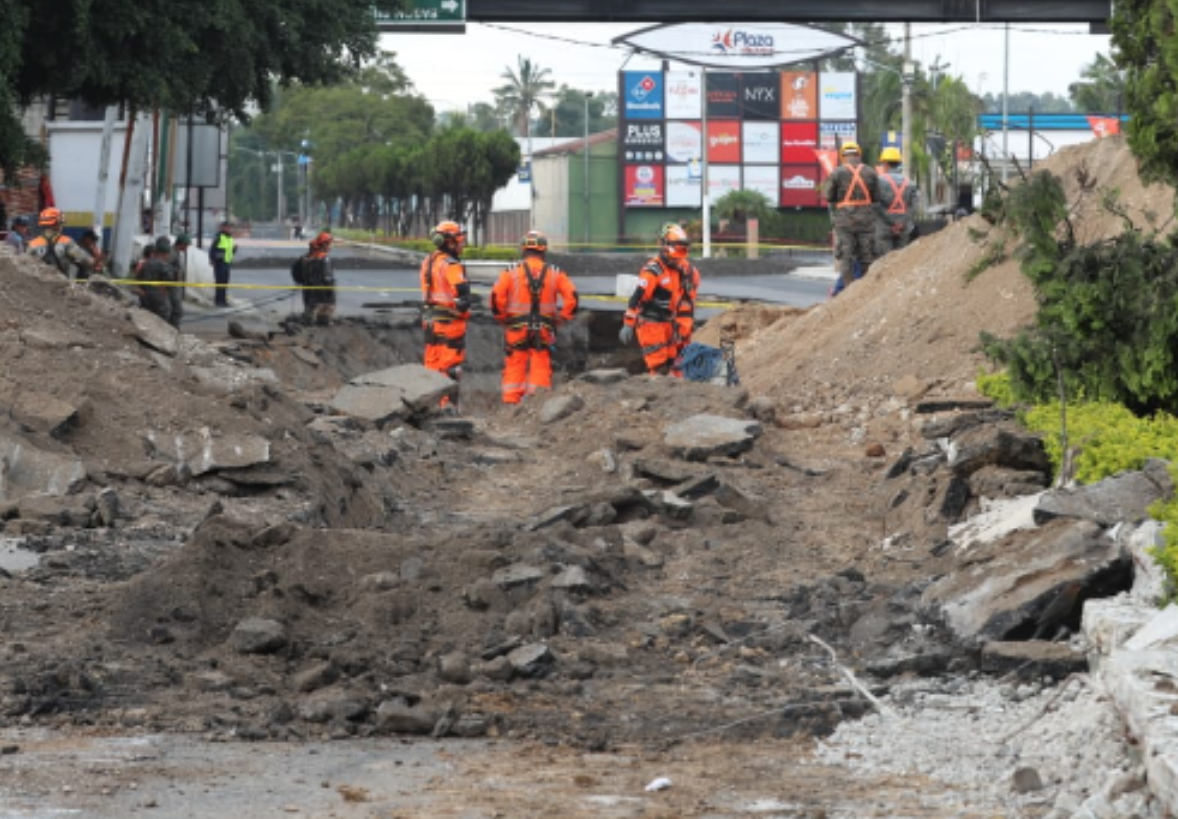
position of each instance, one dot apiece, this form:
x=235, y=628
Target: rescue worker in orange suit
x=661, y=312
x=851, y=192
x=531, y=299
x=897, y=203
x=58, y=250
x=446, y=301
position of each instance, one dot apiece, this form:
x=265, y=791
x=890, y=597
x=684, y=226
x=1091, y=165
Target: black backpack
x=297, y=271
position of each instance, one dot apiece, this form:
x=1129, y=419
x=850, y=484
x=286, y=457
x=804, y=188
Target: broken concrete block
x=1124, y=497
x=559, y=408
x=534, y=660
x=25, y=469
x=417, y=388
x=154, y=332
x=1033, y=659
x=44, y=413
x=701, y=436
x=256, y=635
x=396, y=717
x=204, y=452
x=518, y=574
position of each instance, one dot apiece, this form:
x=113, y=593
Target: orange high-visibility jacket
x=664, y=292
x=534, y=292
x=444, y=287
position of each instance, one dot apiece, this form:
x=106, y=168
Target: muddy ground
x=222, y=555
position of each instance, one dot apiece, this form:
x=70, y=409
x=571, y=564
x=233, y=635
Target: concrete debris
x=257, y=635
x=25, y=469
x=1122, y=498
x=396, y=393
x=154, y=332
x=704, y=436
x=560, y=407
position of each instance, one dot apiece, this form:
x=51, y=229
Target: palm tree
x=523, y=93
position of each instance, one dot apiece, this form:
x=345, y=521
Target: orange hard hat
x=322, y=240
x=50, y=217
x=535, y=241
x=445, y=232
x=675, y=241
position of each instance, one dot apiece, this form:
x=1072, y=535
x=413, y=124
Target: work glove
x=626, y=335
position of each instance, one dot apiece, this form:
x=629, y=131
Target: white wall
x=74, y=149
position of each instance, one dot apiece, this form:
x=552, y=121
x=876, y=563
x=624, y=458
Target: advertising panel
x=833, y=134
x=736, y=46
x=799, y=95
x=760, y=141
x=799, y=186
x=684, y=142
x=642, y=94
x=644, y=186
x=836, y=96
x=760, y=96
x=684, y=93
x=798, y=141
x=642, y=142
x=724, y=140
x=723, y=95
x=684, y=186
x=762, y=179
x=721, y=180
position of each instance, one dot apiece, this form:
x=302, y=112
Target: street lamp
x=588, y=96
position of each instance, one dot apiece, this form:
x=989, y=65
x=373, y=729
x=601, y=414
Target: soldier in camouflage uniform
x=852, y=191
x=156, y=267
x=897, y=203
x=179, y=261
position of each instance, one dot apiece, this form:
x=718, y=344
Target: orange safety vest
x=856, y=182
x=897, y=208
x=437, y=290
x=529, y=289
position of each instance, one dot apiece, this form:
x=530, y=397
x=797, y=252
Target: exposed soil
x=414, y=576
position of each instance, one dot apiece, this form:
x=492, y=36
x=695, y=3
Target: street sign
x=447, y=16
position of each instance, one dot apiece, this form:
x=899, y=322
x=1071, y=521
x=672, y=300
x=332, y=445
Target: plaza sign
x=738, y=45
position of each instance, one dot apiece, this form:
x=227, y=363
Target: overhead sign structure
x=439, y=16
x=738, y=45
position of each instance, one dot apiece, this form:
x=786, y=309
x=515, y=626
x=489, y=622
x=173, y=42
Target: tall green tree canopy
x=1145, y=47
x=1101, y=88
x=182, y=55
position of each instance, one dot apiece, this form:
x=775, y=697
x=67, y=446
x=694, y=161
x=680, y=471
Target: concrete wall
x=551, y=205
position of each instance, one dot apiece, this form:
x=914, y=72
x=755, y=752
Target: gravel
x=977, y=733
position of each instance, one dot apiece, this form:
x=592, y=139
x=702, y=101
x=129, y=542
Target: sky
x=454, y=70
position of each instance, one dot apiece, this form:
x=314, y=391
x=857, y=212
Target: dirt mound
x=917, y=316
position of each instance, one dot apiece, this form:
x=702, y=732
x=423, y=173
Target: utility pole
x=906, y=99
x=588, y=95
x=1005, y=103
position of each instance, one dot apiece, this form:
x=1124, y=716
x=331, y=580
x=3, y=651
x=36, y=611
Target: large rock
x=256, y=635
x=203, y=452
x=997, y=445
x=153, y=331
x=395, y=393
x=559, y=408
x=701, y=436
x=27, y=470
x=1124, y=497
x=398, y=717
x=44, y=413
x=1004, y=589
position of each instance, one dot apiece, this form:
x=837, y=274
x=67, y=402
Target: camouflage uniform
x=893, y=212
x=176, y=294
x=854, y=215
x=156, y=268
x=60, y=251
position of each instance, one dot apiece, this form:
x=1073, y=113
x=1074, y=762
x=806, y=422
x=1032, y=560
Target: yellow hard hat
x=890, y=154
x=849, y=148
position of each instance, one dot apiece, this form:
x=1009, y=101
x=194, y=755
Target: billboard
x=723, y=95
x=643, y=142
x=684, y=142
x=836, y=96
x=686, y=134
x=799, y=95
x=684, y=95
x=721, y=180
x=685, y=185
x=760, y=96
x=799, y=186
x=798, y=141
x=760, y=141
x=724, y=140
x=763, y=179
x=642, y=94
x=643, y=186
x=738, y=45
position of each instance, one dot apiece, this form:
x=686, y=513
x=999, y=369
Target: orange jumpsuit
x=531, y=299
x=662, y=311
x=446, y=295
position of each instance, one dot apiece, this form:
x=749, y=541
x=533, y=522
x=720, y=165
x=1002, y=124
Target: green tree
x=1145, y=48
x=523, y=93
x=741, y=205
x=566, y=114
x=181, y=55
x=1102, y=89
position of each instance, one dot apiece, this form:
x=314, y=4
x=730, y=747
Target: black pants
x=221, y=274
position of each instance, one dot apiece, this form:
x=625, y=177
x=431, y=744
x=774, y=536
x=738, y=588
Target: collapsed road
x=256, y=574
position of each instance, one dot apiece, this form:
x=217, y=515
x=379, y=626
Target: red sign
x=644, y=186
x=724, y=140
x=1104, y=126
x=828, y=159
x=798, y=141
x=800, y=186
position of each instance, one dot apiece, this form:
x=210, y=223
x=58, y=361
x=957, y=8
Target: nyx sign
x=760, y=96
